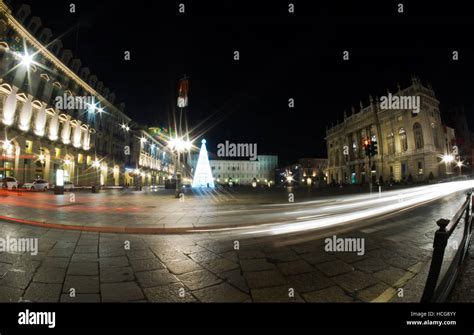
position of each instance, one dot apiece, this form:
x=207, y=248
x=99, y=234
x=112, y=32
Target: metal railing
x=438, y=287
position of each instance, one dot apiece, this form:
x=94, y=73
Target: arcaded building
x=410, y=144
x=56, y=114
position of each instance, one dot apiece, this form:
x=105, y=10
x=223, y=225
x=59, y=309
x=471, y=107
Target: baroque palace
x=92, y=143
x=410, y=144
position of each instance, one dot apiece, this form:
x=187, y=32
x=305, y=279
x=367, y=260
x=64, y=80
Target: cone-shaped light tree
x=203, y=174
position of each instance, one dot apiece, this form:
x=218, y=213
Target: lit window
x=80, y=158
x=57, y=152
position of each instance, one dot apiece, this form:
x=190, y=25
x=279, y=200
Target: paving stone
x=390, y=275
x=155, y=278
x=80, y=298
x=282, y=256
x=115, y=274
x=27, y=265
x=231, y=256
x=294, y=267
x=119, y=261
x=355, y=280
x=370, y=264
x=258, y=264
x=116, y=292
x=401, y=262
x=4, y=267
x=318, y=257
x=169, y=293
x=334, y=268
x=92, y=257
x=264, y=279
x=111, y=252
x=17, y=278
x=82, y=284
x=199, y=279
x=41, y=292
x=179, y=267
x=250, y=254
x=10, y=294
x=57, y=262
x=6, y=257
x=86, y=249
x=47, y=274
x=275, y=294
x=140, y=254
x=221, y=293
x=219, y=265
x=169, y=256
x=139, y=265
x=370, y=293
x=331, y=294
x=203, y=256
x=62, y=252
x=308, y=282
x=235, y=278
x=83, y=269
x=190, y=249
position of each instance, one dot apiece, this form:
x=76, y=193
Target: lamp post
x=179, y=146
x=448, y=160
x=460, y=165
x=96, y=165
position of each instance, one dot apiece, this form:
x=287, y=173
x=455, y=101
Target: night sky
x=282, y=56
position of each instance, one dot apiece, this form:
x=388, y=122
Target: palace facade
x=410, y=145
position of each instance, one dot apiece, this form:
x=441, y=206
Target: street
x=223, y=246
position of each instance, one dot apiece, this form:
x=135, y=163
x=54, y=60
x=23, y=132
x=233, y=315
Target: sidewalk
x=464, y=287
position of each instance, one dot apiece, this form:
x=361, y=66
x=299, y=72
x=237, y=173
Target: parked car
x=68, y=186
x=9, y=183
x=37, y=185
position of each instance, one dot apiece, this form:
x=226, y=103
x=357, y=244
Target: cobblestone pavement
x=74, y=266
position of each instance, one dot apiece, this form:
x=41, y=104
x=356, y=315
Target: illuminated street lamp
x=26, y=59
x=180, y=146
x=448, y=159
x=460, y=164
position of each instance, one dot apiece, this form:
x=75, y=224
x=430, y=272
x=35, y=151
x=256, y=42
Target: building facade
x=410, y=144
x=55, y=114
x=150, y=162
x=240, y=172
x=313, y=169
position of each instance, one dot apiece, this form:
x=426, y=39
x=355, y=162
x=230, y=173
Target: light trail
x=350, y=209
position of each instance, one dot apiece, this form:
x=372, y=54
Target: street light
x=26, y=59
x=448, y=158
x=179, y=145
x=96, y=165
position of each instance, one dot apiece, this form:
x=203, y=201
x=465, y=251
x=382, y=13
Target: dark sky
x=282, y=56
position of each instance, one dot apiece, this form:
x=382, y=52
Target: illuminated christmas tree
x=203, y=174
